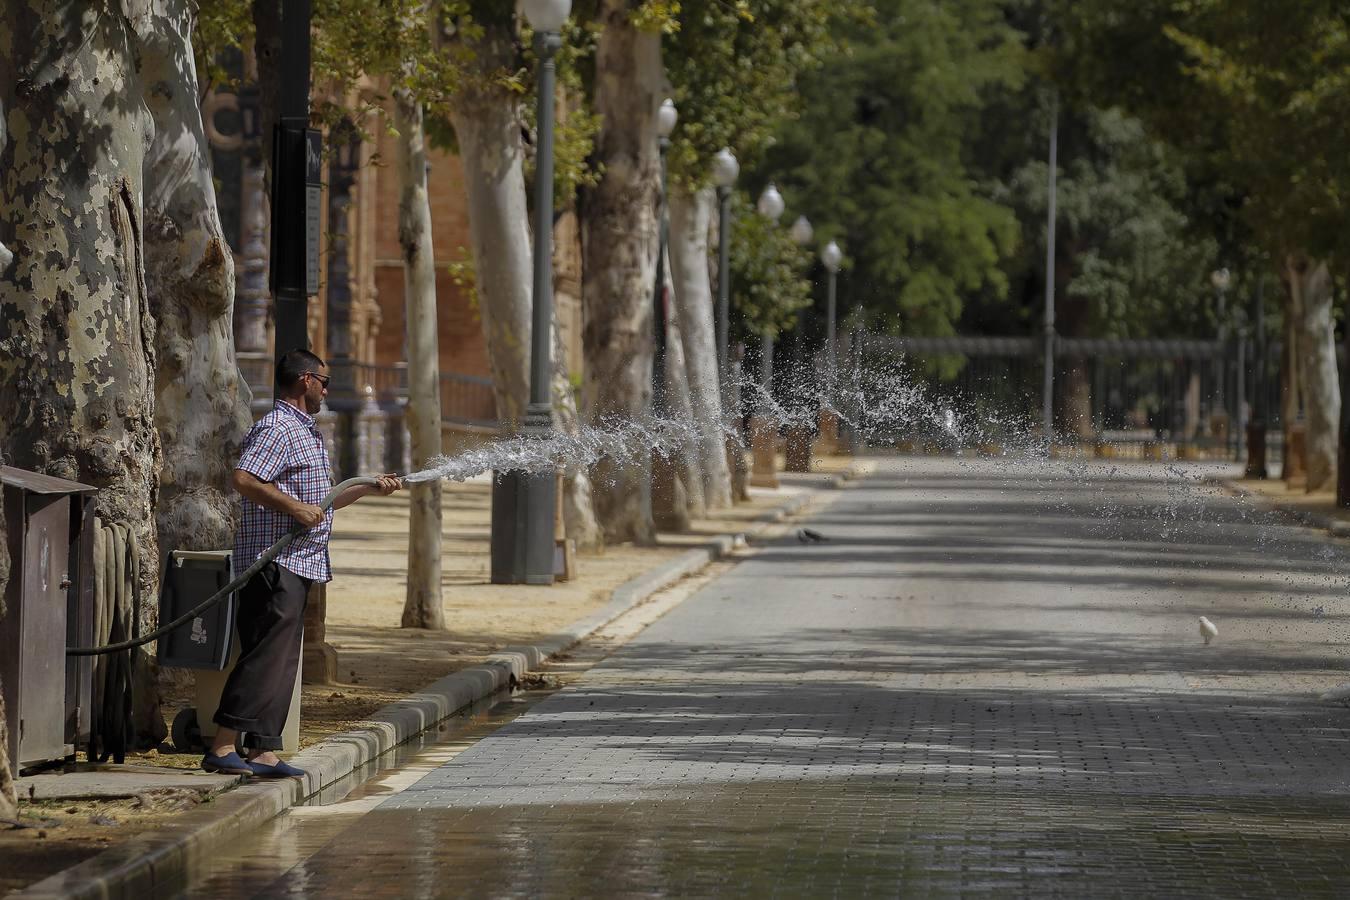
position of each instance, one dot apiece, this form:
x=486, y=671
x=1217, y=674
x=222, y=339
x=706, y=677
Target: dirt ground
x=378, y=661
x=52, y=835
x=1297, y=498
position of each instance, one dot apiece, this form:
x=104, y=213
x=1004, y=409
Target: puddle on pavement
x=829, y=837
x=277, y=846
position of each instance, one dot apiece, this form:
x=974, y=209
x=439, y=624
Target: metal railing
x=1174, y=390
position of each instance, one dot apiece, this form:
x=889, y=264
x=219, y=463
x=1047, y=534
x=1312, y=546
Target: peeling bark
x=619, y=241
x=578, y=510
x=487, y=124
x=77, y=335
x=1310, y=285
x=680, y=405
x=423, y=607
x=8, y=800
x=694, y=311
x=201, y=402
x=487, y=120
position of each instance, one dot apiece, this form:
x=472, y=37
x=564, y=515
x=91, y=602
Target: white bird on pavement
x=1207, y=630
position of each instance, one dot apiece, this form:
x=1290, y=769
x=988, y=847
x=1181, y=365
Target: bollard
x=827, y=432
x=798, y=449
x=763, y=451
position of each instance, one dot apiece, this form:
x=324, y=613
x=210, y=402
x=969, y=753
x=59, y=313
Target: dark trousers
x=257, y=694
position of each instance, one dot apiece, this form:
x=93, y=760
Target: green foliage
x=464, y=275
x=657, y=15
x=735, y=69
x=351, y=39
x=1259, y=90
x=877, y=159
x=221, y=27
x=1130, y=262
x=394, y=40
x=767, y=286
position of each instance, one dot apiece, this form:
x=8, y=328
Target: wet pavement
x=987, y=681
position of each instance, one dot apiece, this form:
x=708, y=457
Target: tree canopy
x=878, y=158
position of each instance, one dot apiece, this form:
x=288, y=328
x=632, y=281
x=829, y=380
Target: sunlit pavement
x=988, y=680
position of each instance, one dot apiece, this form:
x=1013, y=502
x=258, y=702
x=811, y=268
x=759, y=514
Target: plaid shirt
x=285, y=447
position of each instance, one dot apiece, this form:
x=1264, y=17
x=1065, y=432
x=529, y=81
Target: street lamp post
x=1256, y=426
x=1048, y=323
x=831, y=257
x=828, y=419
x=763, y=429
x=725, y=168
x=771, y=207
x=1221, y=279
x=523, y=503
x=797, y=448
x=296, y=187
x=664, y=508
x=666, y=117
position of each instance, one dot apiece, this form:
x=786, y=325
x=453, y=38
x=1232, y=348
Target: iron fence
x=1196, y=394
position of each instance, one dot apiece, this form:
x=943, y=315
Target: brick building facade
x=356, y=321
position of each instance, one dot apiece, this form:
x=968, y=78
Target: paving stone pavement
x=988, y=681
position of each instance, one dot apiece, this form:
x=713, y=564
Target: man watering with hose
x=282, y=475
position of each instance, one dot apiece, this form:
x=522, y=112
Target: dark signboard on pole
x=313, y=205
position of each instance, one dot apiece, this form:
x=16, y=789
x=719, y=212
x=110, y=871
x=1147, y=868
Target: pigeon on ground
x=1207, y=630
x=807, y=536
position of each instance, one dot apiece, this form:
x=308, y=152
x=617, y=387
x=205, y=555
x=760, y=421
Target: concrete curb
x=162, y=859
x=1330, y=524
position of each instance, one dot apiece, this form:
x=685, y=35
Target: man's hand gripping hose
x=267, y=556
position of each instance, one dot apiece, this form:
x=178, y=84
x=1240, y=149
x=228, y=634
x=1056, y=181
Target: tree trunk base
x=764, y=451
x=797, y=456
x=670, y=507
x=827, y=432
x=740, y=472
x=1295, y=465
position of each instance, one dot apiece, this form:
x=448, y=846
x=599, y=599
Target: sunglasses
x=323, y=379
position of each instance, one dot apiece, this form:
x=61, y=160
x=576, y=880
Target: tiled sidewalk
x=985, y=683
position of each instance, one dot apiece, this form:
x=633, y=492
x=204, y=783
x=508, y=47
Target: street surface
x=989, y=680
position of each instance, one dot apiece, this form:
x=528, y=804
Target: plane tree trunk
x=77, y=333
x=201, y=402
x=1310, y=286
x=694, y=311
x=487, y=119
x=619, y=244
x=680, y=407
x=8, y=800
x=423, y=607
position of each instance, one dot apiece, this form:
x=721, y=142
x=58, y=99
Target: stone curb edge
x=1331, y=525
x=161, y=858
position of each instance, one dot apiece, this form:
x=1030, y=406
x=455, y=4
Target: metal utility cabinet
x=49, y=602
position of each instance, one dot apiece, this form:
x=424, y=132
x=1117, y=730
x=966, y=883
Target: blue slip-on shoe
x=229, y=764
x=281, y=770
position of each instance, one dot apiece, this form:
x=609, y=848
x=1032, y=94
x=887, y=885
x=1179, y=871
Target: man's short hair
x=295, y=363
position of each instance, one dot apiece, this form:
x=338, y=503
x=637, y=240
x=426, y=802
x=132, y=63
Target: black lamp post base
x=523, y=509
